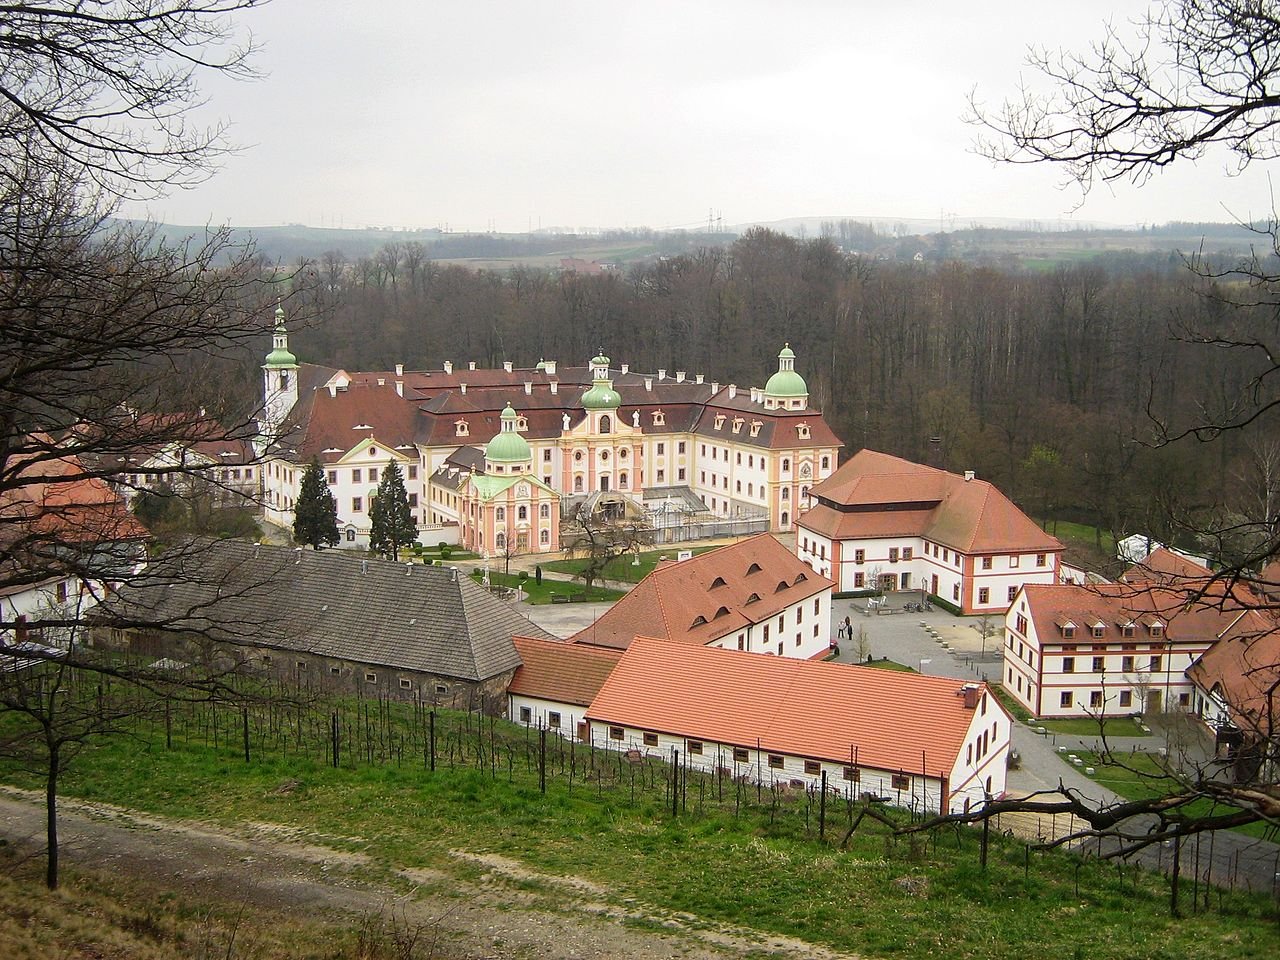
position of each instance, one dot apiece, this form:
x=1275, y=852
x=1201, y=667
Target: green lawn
x=1019, y=712
x=539, y=594
x=1139, y=775
x=1090, y=727
x=892, y=665
x=621, y=568
x=732, y=855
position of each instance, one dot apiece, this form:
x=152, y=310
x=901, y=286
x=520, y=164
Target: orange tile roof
x=1244, y=669
x=725, y=589
x=874, y=494
x=560, y=671
x=822, y=711
x=1164, y=564
x=58, y=500
x=1196, y=612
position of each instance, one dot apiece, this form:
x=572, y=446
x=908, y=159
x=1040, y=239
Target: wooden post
x=822, y=809
x=432, y=736
x=542, y=759
x=675, y=782
x=244, y=716
x=986, y=836
x=1177, y=870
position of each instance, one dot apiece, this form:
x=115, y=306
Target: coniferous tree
x=391, y=520
x=315, y=517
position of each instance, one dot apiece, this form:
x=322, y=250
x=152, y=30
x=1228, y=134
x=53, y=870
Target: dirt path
x=509, y=911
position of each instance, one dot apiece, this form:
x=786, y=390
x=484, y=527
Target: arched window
x=522, y=513
x=284, y=380
x=786, y=465
x=785, y=518
x=500, y=541
x=622, y=481
x=804, y=492
x=751, y=490
x=544, y=537
x=577, y=484
x=606, y=425
x=501, y=515
x=544, y=511
x=786, y=493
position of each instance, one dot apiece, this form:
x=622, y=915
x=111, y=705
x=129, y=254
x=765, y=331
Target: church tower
x=279, y=385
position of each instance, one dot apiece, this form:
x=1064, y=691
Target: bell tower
x=279, y=384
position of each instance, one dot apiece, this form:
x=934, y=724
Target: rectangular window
x=1013, y=592
x=852, y=774
x=1013, y=561
x=680, y=448
x=775, y=761
x=441, y=688
x=1126, y=698
x=1099, y=664
x=553, y=720
x=357, y=504
x=946, y=556
x=1156, y=664
x=1127, y=630
x=413, y=499
x=650, y=739
x=61, y=591
x=333, y=478
x=813, y=768
x=1020, y=623
x=413, y=471
x=859, y=581
x=355, y=475
x=984, y=595
x=1065, y=698
x=817, y=606
x=900, y=781
x=859, y=556
x=740, y=755
x=301, y=664
x=680, y=474
x=615, y=733
x=662, y=449
x=893, y=554
x=336, y=671
x=526, y=714
x=370, y=678
x=906, y=553
x=1041, y=559
x=1095, y=699
x=406, y=684
x=373, y=474
x=662, y=476
x=1126, y=664
x=1157, y=630
x=986, y=563
x=1068, y=664
x=694, y=747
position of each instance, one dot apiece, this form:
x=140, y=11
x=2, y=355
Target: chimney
x=733, y=390
x=968, y=475
x=463, y=388
x=453, y=574
x=555, y=387
x=506, y=365
x=662, y=373
x=697, y=378
x=972, y=693
x=648, y=384
x=550, y=367
x=471, y=365
x=400, y=388
x=382, y=381
x=364, y=566
x=298, y=554
x=679, y=376
x=333, y=389
x=408, y=569
x=715, y=386
x=528, y=388
x=448, y=366
x=399, y=369
x=626, y=368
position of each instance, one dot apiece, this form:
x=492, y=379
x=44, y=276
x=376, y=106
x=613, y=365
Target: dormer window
x=755, y=427
x=522, y=424
x=800, y=578
x=754, y=598
x=1099, y=631
x=782, y=585
x=460, y=428
x=802, y=431
x=659, y=418
x=737, y=424
x=754, y=568
x=698, y=621
x=1068, y=630
x=1157, y=629
x=1126, y=630
x=721, y=612
x=719, y=421
x=717, y=582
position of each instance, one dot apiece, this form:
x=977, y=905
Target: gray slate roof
x=330, y=604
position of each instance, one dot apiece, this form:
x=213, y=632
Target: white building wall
x=560, y=718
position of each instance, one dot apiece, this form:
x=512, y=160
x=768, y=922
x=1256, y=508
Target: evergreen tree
x=315, y=516
x=391, y=521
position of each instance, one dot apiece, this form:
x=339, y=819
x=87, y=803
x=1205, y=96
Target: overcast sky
x=506, y=115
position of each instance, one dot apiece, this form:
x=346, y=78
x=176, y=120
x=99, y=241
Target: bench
x=559, y=598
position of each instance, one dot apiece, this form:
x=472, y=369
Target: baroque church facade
x=494, y=458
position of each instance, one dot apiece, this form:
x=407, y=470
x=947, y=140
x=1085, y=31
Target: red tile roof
x=331, y=427
x=1243, y=668
x=708, y=596
x=1163, y=564
x=823, y=711
x=971, y=516
x=560, y=671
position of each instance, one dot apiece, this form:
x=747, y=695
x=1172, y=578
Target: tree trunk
x=51, y=820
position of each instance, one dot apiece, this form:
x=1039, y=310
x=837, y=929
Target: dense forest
x=1056, y=384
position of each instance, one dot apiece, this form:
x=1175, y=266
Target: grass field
x=731, y=854
x=542, y=593
x=1091, y=727
x=621, y=568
